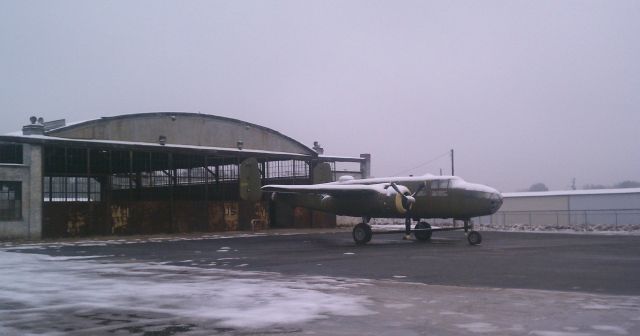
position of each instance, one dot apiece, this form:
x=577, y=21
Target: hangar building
x=604, y=209
x=155, y=173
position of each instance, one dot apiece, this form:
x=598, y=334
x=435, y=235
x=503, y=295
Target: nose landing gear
x=473, y=237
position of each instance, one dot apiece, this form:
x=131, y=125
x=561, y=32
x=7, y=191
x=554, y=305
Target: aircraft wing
x=326, y=189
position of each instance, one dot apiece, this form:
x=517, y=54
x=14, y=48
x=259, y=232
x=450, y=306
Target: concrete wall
x=183, y=128
x=30, y=174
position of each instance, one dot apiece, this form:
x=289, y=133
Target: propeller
x=407, y=199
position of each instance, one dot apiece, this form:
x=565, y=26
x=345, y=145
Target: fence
x=589, y=220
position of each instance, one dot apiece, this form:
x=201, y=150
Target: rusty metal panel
x=156, y=217
x=231, y=216
x=253, y=215
x=54, y=219
x=120, y=217
x=301, y=217
x=321, y=219
x=73, y=219
x=138, y=217
x=76, y=222
x=260, y=220
x=216, y=221
x=190, y=216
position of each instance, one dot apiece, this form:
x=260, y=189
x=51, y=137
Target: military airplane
x=411, y=197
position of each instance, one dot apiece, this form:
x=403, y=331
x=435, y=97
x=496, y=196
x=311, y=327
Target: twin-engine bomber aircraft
x=419, y=197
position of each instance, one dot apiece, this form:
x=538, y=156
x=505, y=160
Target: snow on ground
x=93, y=295
x=14, y=246
x=567, y=228
x=38, y=289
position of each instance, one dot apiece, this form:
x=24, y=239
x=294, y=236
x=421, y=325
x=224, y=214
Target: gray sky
x=524, y=91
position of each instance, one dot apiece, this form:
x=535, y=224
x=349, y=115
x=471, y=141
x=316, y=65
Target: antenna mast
x=452, y=169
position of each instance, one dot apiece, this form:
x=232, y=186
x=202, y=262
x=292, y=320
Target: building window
x=286, y=169
x=10, y=200
x=71, y=189
x=10, y=153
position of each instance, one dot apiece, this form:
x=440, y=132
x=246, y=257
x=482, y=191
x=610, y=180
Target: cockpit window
x=439, y=184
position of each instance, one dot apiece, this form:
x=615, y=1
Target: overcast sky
x=524, y=91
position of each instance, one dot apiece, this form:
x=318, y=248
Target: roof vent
x=318, y=148
x=162, y=140
x=36, y=127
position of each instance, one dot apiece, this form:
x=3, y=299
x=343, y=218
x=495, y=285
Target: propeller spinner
x=405, y=196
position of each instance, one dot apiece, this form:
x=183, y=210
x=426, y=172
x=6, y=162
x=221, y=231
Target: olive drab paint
x=250, y=180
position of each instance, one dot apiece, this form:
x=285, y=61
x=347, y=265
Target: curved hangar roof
x=182, y=128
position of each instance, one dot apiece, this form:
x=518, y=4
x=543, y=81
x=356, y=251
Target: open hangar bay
x=155, y=173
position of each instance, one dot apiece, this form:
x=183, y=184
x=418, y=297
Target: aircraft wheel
x=422, y=235
x=362, y=234
x=474, y=237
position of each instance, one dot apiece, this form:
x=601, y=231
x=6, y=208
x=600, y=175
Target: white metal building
x=588, y=209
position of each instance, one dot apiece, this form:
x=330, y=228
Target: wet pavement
x=289, y=283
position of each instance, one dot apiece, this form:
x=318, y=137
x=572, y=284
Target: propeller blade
x=407, y=200
x=395, y=187
x=422, y=186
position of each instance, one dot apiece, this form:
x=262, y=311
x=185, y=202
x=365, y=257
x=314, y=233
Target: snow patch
x=558, y=333
x=597, y=306
x=41, y=285
x=479, y=327
x=398, y=305
x=612, y=329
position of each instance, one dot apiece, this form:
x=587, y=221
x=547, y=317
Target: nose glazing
x=496, y=201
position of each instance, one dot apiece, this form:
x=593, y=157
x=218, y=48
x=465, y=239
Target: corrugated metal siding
x=604, y=202
x=574, y=209
x=541, y=203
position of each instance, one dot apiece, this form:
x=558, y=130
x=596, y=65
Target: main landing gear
x=422, y=231
x=362, y=233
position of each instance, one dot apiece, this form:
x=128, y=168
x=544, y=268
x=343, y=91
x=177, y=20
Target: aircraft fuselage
x=432, y=197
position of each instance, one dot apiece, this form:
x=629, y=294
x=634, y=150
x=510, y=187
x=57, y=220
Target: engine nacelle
x=402, y=204
x=328, y=203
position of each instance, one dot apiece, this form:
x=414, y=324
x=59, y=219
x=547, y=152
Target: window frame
x=11, y=153
x=11, y=193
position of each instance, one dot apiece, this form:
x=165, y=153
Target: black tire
x=362, y=233
x=422, y=235
x=474, y=238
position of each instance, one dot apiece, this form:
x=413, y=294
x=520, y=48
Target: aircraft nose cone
x=496, y=201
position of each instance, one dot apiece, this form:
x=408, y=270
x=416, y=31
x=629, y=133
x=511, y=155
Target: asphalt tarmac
x=607, y=264
x=542, y=284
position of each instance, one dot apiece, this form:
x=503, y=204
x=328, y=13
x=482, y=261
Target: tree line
x=539, y=186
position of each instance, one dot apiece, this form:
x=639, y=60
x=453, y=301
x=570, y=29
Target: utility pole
x=452, y=169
